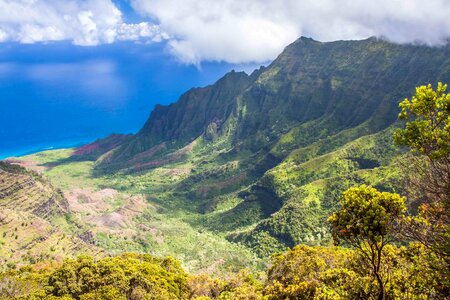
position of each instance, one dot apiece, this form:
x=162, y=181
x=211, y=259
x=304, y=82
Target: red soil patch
x=27, y=164
x=101, y=146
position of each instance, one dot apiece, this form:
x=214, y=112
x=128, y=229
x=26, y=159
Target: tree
x=427, y=134
x=365, y=221
x=428, y=129
x=308, y=272
x=128, y=276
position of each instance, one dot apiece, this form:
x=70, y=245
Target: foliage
x=304, y=272
x=427, y=134
x=241, y=285
x=129, y=276
x=298, y=273
x=428, y=129
x=307, y=272
x=366, y=221
x=366, y=215
x=13, y=286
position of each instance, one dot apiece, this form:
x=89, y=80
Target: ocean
x=60, y=95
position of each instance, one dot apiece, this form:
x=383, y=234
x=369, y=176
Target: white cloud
x=257, y=30
x=30, y=33
x=84, y=22
x=3, y=36
x=235, y=31
x=134, y=32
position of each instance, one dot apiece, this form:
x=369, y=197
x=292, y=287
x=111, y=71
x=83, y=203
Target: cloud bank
x=234, y=31
x=239, y=31
x=84, y=22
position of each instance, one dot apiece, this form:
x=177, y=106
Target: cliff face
x=338, y=85
x=174, y=126
x=189, y=117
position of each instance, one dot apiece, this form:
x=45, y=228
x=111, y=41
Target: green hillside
x=312, y=91
x=276, y=147
x=243, y=168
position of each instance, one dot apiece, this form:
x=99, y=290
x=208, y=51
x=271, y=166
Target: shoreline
x=37, y=149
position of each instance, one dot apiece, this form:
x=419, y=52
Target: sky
x=75, y=70
x=233, y=31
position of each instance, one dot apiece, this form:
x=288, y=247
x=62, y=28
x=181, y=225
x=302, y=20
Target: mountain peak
x=307, y=39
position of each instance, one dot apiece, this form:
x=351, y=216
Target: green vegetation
x=242, y=169
x=366, y=221
x=129, y=276
x=305, y=272
x=427, y=133
x=337, y=273
x=138, y=213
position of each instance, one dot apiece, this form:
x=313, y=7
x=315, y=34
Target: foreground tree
x=128, y=276
x=427, y=134
x=427, y=117
x=365, y=221
x=307, y=272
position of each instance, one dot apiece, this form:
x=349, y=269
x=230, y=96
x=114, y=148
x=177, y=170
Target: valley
x=122, y=214
x=232, y=174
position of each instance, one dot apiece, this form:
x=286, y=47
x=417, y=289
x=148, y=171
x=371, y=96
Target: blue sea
x=60, y=95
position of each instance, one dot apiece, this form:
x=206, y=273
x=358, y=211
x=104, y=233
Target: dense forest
x=386, y=245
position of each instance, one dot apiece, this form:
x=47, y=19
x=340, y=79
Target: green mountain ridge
x=300, y=128
x=311, y=84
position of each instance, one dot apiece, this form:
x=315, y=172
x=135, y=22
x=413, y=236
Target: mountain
x=174, y=126
x=265, y=156
x=312, y=84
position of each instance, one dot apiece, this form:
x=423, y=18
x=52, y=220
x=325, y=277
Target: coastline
x=24, y=151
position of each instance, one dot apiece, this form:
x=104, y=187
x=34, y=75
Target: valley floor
x=134, y=213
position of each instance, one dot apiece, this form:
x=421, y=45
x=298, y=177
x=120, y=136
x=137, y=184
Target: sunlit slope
x=33, y=225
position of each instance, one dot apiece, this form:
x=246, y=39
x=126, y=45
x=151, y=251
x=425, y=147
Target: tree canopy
x=427, y=114
x=365, y=221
